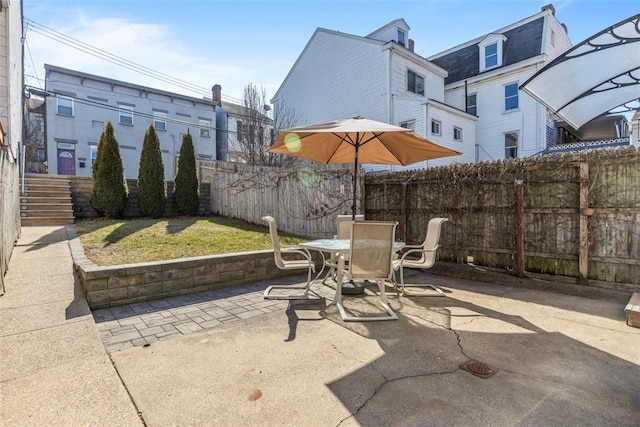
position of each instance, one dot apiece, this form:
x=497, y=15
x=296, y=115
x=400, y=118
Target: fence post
x=405, y=211
x=519, y=228
x=583, y=257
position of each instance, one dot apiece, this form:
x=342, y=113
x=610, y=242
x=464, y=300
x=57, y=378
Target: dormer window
x=401, y=37
x=491, y=51
x=491, y=55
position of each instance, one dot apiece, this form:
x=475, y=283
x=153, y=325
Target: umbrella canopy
x=358, y=140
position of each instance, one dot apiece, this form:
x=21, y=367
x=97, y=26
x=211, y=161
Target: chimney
x=411, y=45
x=216, y=94
x=549, y=7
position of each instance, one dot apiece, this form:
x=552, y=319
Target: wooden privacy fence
x=568, y=214
x=304, y=201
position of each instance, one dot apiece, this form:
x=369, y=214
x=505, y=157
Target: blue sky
x=236, y=42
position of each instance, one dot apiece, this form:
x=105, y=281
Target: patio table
x=340, y=247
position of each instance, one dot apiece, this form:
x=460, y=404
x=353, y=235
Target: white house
x=485, y=74
x=465, y=98
x=11, y=128
x=79, y=105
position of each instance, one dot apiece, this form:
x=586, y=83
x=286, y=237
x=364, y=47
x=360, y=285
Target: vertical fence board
x=479, y=201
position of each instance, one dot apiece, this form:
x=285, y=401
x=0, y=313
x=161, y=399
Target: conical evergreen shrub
x=186, y=182
x=110, y=194
x=151, y=185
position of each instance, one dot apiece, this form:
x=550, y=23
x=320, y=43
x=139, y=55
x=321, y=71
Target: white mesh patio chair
x=343, y=231
x=370, y=258
x=427, y=258
x=289, y=292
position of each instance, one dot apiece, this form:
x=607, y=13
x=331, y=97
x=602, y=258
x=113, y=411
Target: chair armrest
x=296, y=250
x=412, y=247
x=419, y=249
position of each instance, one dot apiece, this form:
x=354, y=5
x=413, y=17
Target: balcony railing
x=587, y=145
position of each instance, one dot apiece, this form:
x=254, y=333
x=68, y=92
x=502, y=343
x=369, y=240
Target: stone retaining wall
x=132, y=283
x=81, y=188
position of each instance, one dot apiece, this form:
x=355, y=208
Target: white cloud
x=153, y=46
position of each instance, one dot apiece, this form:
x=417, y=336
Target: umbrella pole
x=355, y=183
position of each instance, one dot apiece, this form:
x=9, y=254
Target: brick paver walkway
x=144, y=323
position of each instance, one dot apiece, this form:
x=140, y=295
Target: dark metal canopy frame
x=599, y=75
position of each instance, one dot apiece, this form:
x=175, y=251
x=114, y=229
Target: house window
x=94, y=153
x=511, y=145
x=457, y=133
x=159, y=120
x=126, y=115
x=65, y=106
x=239, y=131
x=411, y=124
x=415, y=83
x=472, y=105
x=490, y=51
x=41, y=156
x=401, y=37
x=491, y=55
x=205, y=128
x=436, y=127
x=511, y=96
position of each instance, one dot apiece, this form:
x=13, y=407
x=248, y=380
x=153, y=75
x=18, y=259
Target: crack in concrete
x=133, y=402
x=390, y=381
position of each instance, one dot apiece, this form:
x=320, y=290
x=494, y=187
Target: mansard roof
x=523, y=42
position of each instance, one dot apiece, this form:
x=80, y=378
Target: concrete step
x=44, y=186
x=39, y=221
x=48, y=205
x=47, y=193
x=61, y=200
x=46, y=200
x=46, y=177
x=46, y=214
x=632, y=310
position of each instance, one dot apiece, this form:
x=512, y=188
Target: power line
x=115, y=59
x=114, y=108
x=31, y=58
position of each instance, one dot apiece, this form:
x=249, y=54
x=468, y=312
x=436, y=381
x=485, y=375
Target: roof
x=121, y=83
x=523, y=42
x=391, y=44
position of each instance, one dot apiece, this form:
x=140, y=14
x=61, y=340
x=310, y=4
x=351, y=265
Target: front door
x=66, y=162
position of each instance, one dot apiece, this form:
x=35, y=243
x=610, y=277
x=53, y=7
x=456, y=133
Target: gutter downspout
x=389, y=94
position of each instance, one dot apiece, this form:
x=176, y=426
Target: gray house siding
x=97, y=100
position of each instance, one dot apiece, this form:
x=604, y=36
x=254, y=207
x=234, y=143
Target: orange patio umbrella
x=358, y=140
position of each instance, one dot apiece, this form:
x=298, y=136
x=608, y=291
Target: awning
x=597, y=76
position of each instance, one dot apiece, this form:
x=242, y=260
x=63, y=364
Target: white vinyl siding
x=335, y=77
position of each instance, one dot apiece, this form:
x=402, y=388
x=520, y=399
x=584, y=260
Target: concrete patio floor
x=558, y=359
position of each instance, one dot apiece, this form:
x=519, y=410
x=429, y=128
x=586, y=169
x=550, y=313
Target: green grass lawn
x=112, y=242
